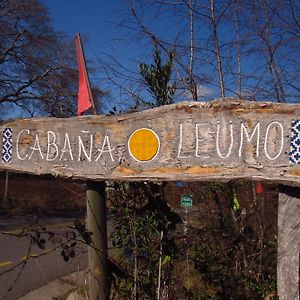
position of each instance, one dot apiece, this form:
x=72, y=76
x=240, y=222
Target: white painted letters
x=210, y=142
x=51, y=139
x=180, y=142
x=218, y=140
x=36, y=147
x=67, y=148
x=244, y=131
x=200, y=138
x=106, y=143
x=269, y=136
x=18, y=143
x=82, y=148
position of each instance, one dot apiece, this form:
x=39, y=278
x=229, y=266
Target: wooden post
x=96, y=220
x=288, y=243
x=5, y=196
x=6, y=187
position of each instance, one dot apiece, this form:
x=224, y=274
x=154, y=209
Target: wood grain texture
x=218, y=140
x=288, y=243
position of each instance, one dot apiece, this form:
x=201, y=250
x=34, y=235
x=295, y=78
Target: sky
x=98, y=20
x=95, y=19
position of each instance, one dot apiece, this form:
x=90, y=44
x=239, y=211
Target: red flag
x=258, y=188
x=84, y=91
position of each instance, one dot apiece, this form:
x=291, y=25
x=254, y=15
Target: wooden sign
x=218, y=140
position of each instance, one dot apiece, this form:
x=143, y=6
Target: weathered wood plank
x=218, y=140
x=288, y=243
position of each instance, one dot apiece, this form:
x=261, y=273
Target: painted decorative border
x=7, y=145
x=295, y=143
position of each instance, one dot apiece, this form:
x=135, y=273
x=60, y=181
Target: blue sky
x=98, y=20
x=94, y=18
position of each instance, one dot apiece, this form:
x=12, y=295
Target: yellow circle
x=143, y=144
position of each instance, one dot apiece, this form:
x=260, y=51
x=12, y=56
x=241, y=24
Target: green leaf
x=165, y=260
x=235, y=204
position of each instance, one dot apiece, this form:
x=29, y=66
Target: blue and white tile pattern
x=7, y=145
x=295, y=142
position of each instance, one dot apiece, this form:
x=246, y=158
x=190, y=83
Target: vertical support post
x=6, y=187
x=288, y=243
x=96, y=220
x=3, y=203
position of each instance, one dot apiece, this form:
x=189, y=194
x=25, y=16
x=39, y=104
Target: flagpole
x=99, y=287
x=86, y=76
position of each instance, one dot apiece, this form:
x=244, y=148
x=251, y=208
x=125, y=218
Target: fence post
x=288, y=243
x=96, y=220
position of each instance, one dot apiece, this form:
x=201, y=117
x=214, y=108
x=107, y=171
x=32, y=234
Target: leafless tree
x=240, y=48
x=38, y=71
x=214, y=23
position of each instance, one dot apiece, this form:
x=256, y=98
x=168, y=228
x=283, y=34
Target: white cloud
x=202, y=92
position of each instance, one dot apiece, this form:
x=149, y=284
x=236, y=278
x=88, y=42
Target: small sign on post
x=186, y=200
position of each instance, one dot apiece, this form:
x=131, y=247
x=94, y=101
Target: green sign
x=186, y=200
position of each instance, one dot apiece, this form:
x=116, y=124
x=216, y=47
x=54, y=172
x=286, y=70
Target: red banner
x=84, y=96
